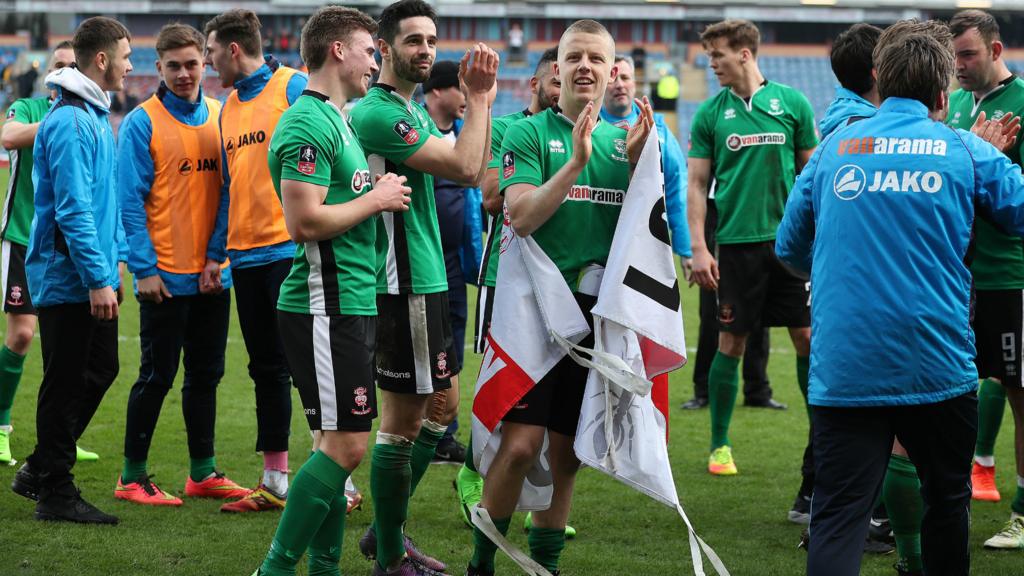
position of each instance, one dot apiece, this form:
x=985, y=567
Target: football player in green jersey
x=545, y=87
x=327, y=306
x=564, y=176
x=17, y=136
x=416, y=360
x=752, y=137
x=987, y=87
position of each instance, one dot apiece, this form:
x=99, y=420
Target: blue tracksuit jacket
x=882, y=217
x=76, y=236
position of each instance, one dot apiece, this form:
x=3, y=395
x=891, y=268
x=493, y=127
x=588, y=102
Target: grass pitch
x=621, y=531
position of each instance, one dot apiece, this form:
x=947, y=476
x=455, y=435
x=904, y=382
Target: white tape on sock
x=434, y=426
x=393, y=439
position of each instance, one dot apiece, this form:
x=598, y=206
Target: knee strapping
x=435, y=427
x=392, y=439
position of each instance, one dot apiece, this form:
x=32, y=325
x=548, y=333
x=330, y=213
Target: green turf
x=621, y=531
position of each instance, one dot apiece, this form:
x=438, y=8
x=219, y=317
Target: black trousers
x=198, y=325
x=851, y=453
x=458, y=310
x=756, y=387
x=256, y=292
x=79, y=365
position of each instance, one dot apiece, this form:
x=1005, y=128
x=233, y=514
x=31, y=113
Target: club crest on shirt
x=508, y=164
x=15, y=299
x=406, y=132
x=362, y=401
x=307, y=159
x=726, y=314
x=442, y=366
x=10, y=113
x=620, y=151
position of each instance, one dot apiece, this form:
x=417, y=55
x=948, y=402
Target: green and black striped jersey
x=391, y=129
x=313, y=143
x=18, y=207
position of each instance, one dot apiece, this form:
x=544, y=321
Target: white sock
x=7, y=428
x=276, y=480
x=350, y=486
x=986, y=461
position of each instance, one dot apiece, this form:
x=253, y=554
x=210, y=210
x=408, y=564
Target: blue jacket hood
x=847, y=104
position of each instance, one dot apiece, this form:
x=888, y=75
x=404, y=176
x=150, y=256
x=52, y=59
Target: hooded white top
x=72, y=80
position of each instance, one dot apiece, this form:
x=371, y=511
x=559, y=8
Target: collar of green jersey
x=557, y=111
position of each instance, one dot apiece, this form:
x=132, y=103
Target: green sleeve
x=20, y=111
x=806, y=137
x=305, y=151
x=498, y=128
x=702, y=134
x=520, y=157
x=388, y=131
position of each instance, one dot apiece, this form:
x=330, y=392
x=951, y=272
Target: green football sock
x=11, y=364
x=803, y=366
x=325, y=547
x=991, y=403
x=201, y=468
x=902, y=494
x=133, y=470
x=1018, y=499
x=390, y=474
x=723, y=385
x=546, y=546
x=484, y=549
x=423, y=450
x=469, y=455
x=310, y=499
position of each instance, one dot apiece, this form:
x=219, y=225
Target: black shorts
x=555, y=402
x=998, y=319
x=331, y=360
x=484, y=311
x=16, y=297
x=755, y=288
x=415, y=349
